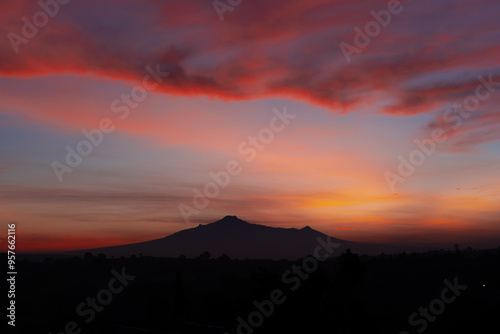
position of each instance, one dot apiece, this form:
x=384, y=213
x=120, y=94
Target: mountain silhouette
x=239, y=240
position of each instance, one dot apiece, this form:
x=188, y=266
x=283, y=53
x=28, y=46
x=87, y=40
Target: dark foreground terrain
x=436, y=292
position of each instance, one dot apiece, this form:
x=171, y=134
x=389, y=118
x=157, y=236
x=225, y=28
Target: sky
x=372, y=121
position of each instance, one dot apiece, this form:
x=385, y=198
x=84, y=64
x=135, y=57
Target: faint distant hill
x=239, y=239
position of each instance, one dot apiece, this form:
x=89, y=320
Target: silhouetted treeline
x=346, y=294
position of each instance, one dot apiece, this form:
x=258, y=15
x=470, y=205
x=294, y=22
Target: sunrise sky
x=227, y=79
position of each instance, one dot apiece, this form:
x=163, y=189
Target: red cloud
x=284, y=48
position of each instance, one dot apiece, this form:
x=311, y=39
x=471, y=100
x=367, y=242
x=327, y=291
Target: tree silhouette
x=224, y=257
x=204, y=256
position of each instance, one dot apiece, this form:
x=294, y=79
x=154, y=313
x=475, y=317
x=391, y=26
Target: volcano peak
x=230, y=220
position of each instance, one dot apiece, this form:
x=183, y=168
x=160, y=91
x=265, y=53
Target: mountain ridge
x=237, y=239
